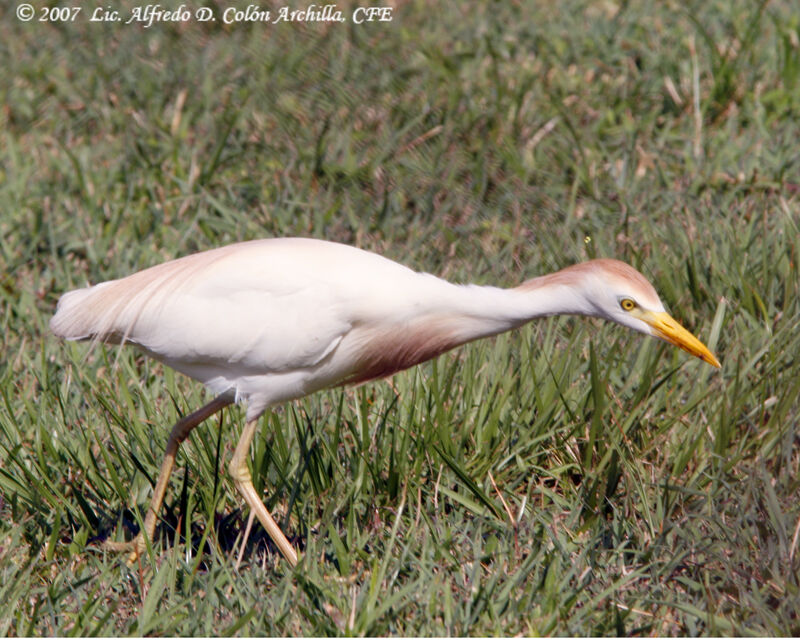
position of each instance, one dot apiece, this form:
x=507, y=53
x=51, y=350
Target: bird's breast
x=378, y=352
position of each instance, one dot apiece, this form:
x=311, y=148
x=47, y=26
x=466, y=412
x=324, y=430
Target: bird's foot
x=134, y=548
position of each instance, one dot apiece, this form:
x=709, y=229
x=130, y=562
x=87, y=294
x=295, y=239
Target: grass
x=569, y=478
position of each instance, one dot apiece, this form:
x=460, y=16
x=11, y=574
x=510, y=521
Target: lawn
x=570, y=477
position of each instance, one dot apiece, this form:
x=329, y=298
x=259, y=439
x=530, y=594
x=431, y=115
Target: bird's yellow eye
x=627, y=304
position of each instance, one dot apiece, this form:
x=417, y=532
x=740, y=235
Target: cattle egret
x=272, y=320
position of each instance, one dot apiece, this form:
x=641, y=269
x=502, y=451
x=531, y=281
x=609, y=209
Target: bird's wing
x=260, y=307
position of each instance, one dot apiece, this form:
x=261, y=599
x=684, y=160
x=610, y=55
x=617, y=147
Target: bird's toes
x=134, y=548
x=120, y=547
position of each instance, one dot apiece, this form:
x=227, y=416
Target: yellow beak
x=667, y=328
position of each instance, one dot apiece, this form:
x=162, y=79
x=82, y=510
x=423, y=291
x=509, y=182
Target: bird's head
x=616, y=291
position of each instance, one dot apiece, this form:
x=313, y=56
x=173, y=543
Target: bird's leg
x=180, y=432
x=245, y=537
x=244, y=483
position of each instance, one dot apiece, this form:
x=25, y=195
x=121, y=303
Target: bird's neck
x=492, y=310
x=441, y=316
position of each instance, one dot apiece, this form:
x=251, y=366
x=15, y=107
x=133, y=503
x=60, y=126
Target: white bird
x=272, y=320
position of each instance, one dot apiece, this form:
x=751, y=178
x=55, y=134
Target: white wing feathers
x=267, y=306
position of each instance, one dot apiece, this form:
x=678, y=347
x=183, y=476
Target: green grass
x=569, y=478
